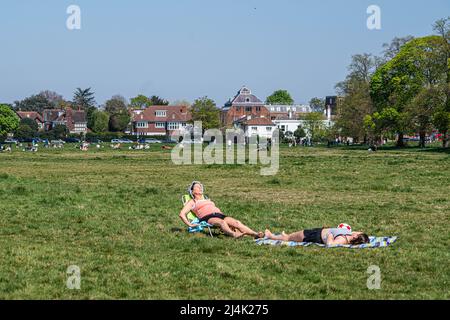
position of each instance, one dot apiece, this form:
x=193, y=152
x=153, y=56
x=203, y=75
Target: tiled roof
x=258, y=122
x=29, y=114
x=244, y=96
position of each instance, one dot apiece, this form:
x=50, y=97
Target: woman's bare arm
x=183, y=213
x=339, y=240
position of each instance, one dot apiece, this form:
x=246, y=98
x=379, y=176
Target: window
x=278, y=109
x=238, y=109
x=248, y=109
x=272, y=109
x=173, y=126
x=160, y=125
x=161, y=113
x=254, y=128
x=247, y=99
x=268, y=128
x=294, y=109
x=258, y=109
x=142, y=124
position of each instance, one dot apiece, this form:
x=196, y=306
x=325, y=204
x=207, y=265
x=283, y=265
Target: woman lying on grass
x=328, y=236
x=206, y=210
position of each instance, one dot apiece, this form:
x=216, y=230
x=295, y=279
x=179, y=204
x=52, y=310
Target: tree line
x=405, y=91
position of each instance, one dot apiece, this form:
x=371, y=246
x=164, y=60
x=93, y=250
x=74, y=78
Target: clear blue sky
x=184, y=49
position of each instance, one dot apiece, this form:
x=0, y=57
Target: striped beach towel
x=374, y=242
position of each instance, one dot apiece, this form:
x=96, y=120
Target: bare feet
x=238, y=234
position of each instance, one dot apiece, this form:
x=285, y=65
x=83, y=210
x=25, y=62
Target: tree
x=442, y=27
x=84, y=98
x=53, y=98
x=393, y=48
x=314, y=125
x=119, y=117
x=299, y=133
x=280, y=97
x=205, y=110
x=395, y=84
x=157, y=101
x=33, y=103
x=119, y=122
x=59, y=132
x=140, y=102
x=8, y=120
x=424, y=106
x=30, y=123
x=356, y=102
x=116, y=105
x=101, y=121
x=182, y=102
x=317, y=104
x=24, y=131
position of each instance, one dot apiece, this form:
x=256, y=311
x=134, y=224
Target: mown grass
x=115, y=215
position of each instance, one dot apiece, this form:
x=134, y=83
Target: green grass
x=115, y=215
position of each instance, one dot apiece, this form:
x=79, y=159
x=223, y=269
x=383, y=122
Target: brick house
x=159, y=120
x=75, y=121
x=242, y=105
x=33, y=115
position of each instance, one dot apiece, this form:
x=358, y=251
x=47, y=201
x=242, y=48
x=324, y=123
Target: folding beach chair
x=201, y=226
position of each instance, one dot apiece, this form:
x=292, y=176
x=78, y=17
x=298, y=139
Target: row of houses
x=245, y=111
x=74, y=120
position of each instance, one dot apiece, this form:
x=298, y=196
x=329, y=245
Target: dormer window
x=161, y=113
x=247, y=99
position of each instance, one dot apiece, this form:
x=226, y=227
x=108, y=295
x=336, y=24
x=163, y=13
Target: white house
x=261, y=126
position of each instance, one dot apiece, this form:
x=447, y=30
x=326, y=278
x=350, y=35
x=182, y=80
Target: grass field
x=115, y=215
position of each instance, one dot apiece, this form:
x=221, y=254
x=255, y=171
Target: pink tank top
x=202, y=208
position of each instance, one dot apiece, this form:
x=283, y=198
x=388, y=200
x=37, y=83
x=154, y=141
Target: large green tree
x=428, y=102
x=140, y=102
x=395, y=84
x=34, y=103
x=280, y=97
x=356, y=102
x=442, y=27
x=205, y=110
x=317, y=104
x=31, y=123
x=117, y=108
x=9, y=121
x=158, y=101
x=101, y=121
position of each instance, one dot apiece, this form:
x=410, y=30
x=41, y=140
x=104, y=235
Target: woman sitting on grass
x=327, y=236
x=206, y=210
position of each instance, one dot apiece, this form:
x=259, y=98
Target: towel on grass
x=374, y=242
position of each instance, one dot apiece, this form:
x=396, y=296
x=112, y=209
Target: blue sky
x=185, y=49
